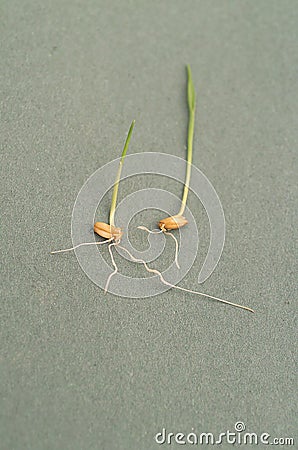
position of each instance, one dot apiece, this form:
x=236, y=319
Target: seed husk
x=172, y=222
x=107, y=231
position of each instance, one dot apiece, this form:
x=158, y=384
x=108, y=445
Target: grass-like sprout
x=108, y=230
x=177, y=221
x=118, y=176
x=191, y=97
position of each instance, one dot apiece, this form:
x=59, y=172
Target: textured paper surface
x=80, y=370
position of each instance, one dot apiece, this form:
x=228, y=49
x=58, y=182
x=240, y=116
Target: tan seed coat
x=107, y=231
x=172, y=223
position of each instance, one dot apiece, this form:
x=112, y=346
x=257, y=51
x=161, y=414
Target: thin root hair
x=181, y=288
x=80, y=245
x=163, y=230
x=114, y=264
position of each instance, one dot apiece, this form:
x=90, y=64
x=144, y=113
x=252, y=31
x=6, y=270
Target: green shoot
x=116, y=185
x=191, y=97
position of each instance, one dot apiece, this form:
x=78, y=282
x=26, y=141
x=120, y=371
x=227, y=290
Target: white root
x=176, y=247
x=114, y=264
x=97, y=243
x=163, y=230
x=155, y=271
x=181, y=288
x=157, y=231
x=80, y=245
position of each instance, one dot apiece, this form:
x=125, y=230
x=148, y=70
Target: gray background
x=80, y=370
